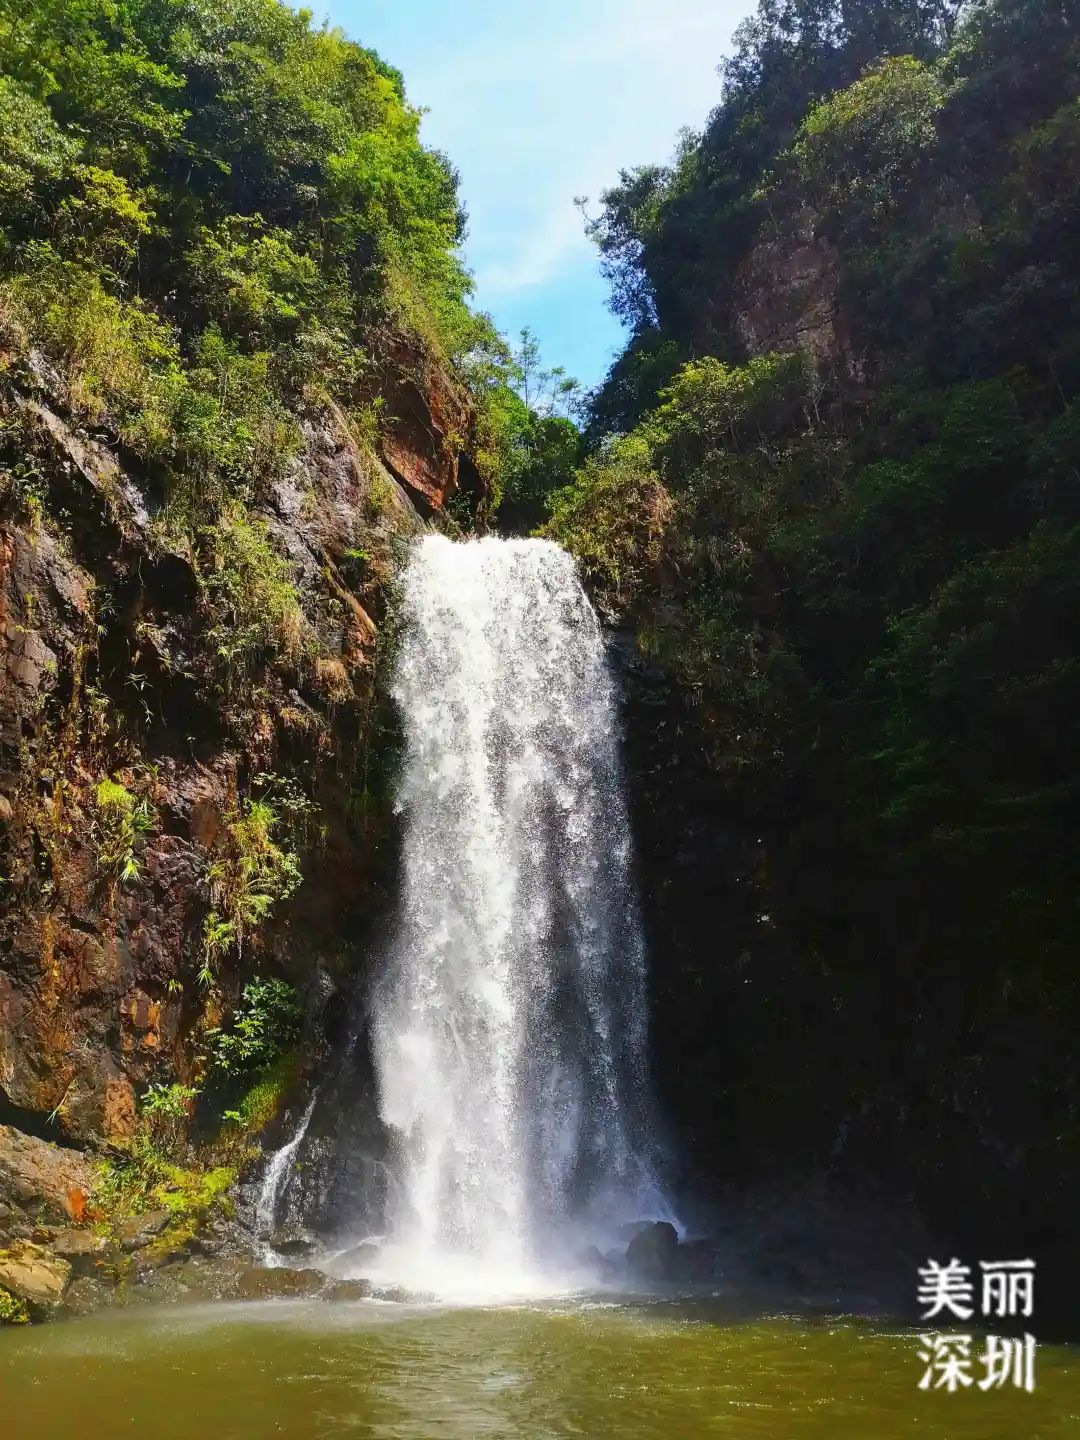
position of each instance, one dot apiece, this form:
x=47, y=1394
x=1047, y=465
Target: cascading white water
x=276, y=1174
x=510, y=1031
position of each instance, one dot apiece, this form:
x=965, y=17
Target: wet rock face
x=105, y=632
x=427, y=412
x=86, y=1012
x=28, y=648
x=786, y=296
x=653, y=1252
x=42, y=1181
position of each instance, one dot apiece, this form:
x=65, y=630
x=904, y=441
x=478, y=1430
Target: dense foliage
x=266, y=1019
x=834, y=485
x=225, y=258
x=215, y=217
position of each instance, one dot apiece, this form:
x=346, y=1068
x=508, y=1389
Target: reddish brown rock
x=141, y=1016
x=43, y=1179
x=118, y=1110
x=428, y=417
x=786, y=294
x=110, y=666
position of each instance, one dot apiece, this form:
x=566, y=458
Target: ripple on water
x=572, y=1368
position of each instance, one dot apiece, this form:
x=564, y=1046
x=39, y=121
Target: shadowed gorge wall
x=832, y=496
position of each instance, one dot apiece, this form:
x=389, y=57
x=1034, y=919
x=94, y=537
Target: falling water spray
x=510, y=1028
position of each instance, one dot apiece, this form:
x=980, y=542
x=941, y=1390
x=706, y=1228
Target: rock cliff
x=123, y=665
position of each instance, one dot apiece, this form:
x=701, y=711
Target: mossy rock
x=34, y=1277
x=13, y=1311
x=279, y=1284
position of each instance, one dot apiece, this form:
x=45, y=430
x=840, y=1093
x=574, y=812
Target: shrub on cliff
x=613, y=517
x=120, y=823
x=211, y=214
x=248, y=874
x=265, y=1021
x=864, y=608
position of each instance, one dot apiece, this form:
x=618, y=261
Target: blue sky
x=536, y=101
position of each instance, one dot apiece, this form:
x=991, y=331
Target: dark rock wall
x=108, y=668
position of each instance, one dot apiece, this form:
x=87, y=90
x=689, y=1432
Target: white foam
x=510, y=1029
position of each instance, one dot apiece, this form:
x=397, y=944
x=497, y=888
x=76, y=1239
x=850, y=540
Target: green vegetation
x=248, y=1062
x=840, y=508
x=263, y=175
x=169, y=1102
x=219, y=220
x=613, y=517
x=140, y=1177
x=532, y=438
x=256, y=609
x=144, y=1173
x=13, y=1311
x=120, y=824
x=261, y=1101
x=248, y=874
x=263, y=1024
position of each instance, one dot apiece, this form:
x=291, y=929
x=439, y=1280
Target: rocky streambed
x=62, y=1253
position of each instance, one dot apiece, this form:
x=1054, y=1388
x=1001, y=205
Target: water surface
x=638, y=1372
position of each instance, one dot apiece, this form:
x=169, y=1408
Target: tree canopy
x=833, y=485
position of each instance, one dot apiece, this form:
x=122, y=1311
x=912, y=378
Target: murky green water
x=651, y=1372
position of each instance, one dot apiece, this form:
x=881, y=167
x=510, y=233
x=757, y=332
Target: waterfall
x=510, y=1029
x=276, y=1175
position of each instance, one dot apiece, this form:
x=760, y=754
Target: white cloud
x=536, y=258
x=535, y=104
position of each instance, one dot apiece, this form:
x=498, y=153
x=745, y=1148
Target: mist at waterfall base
x=509, y=1023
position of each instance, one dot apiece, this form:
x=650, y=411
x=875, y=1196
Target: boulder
x=138, y=1230
x=339, y=1290
x=214, y=1278
x=603, y=1267
x=354, y=1261
x=43, y=1178
x=293, y=1241
x=158, y=1256
x=631, y=1230
x=591, y=1259
x=157, y=1286
x=653, y=1252
x=278, y=1284
x=82, y=1249
x=74, y=1245
x=33, y=1275
x=399, y=1295
x=698, y=1261
x=85, y=1295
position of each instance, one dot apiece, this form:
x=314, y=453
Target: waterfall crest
x=509, y=1032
